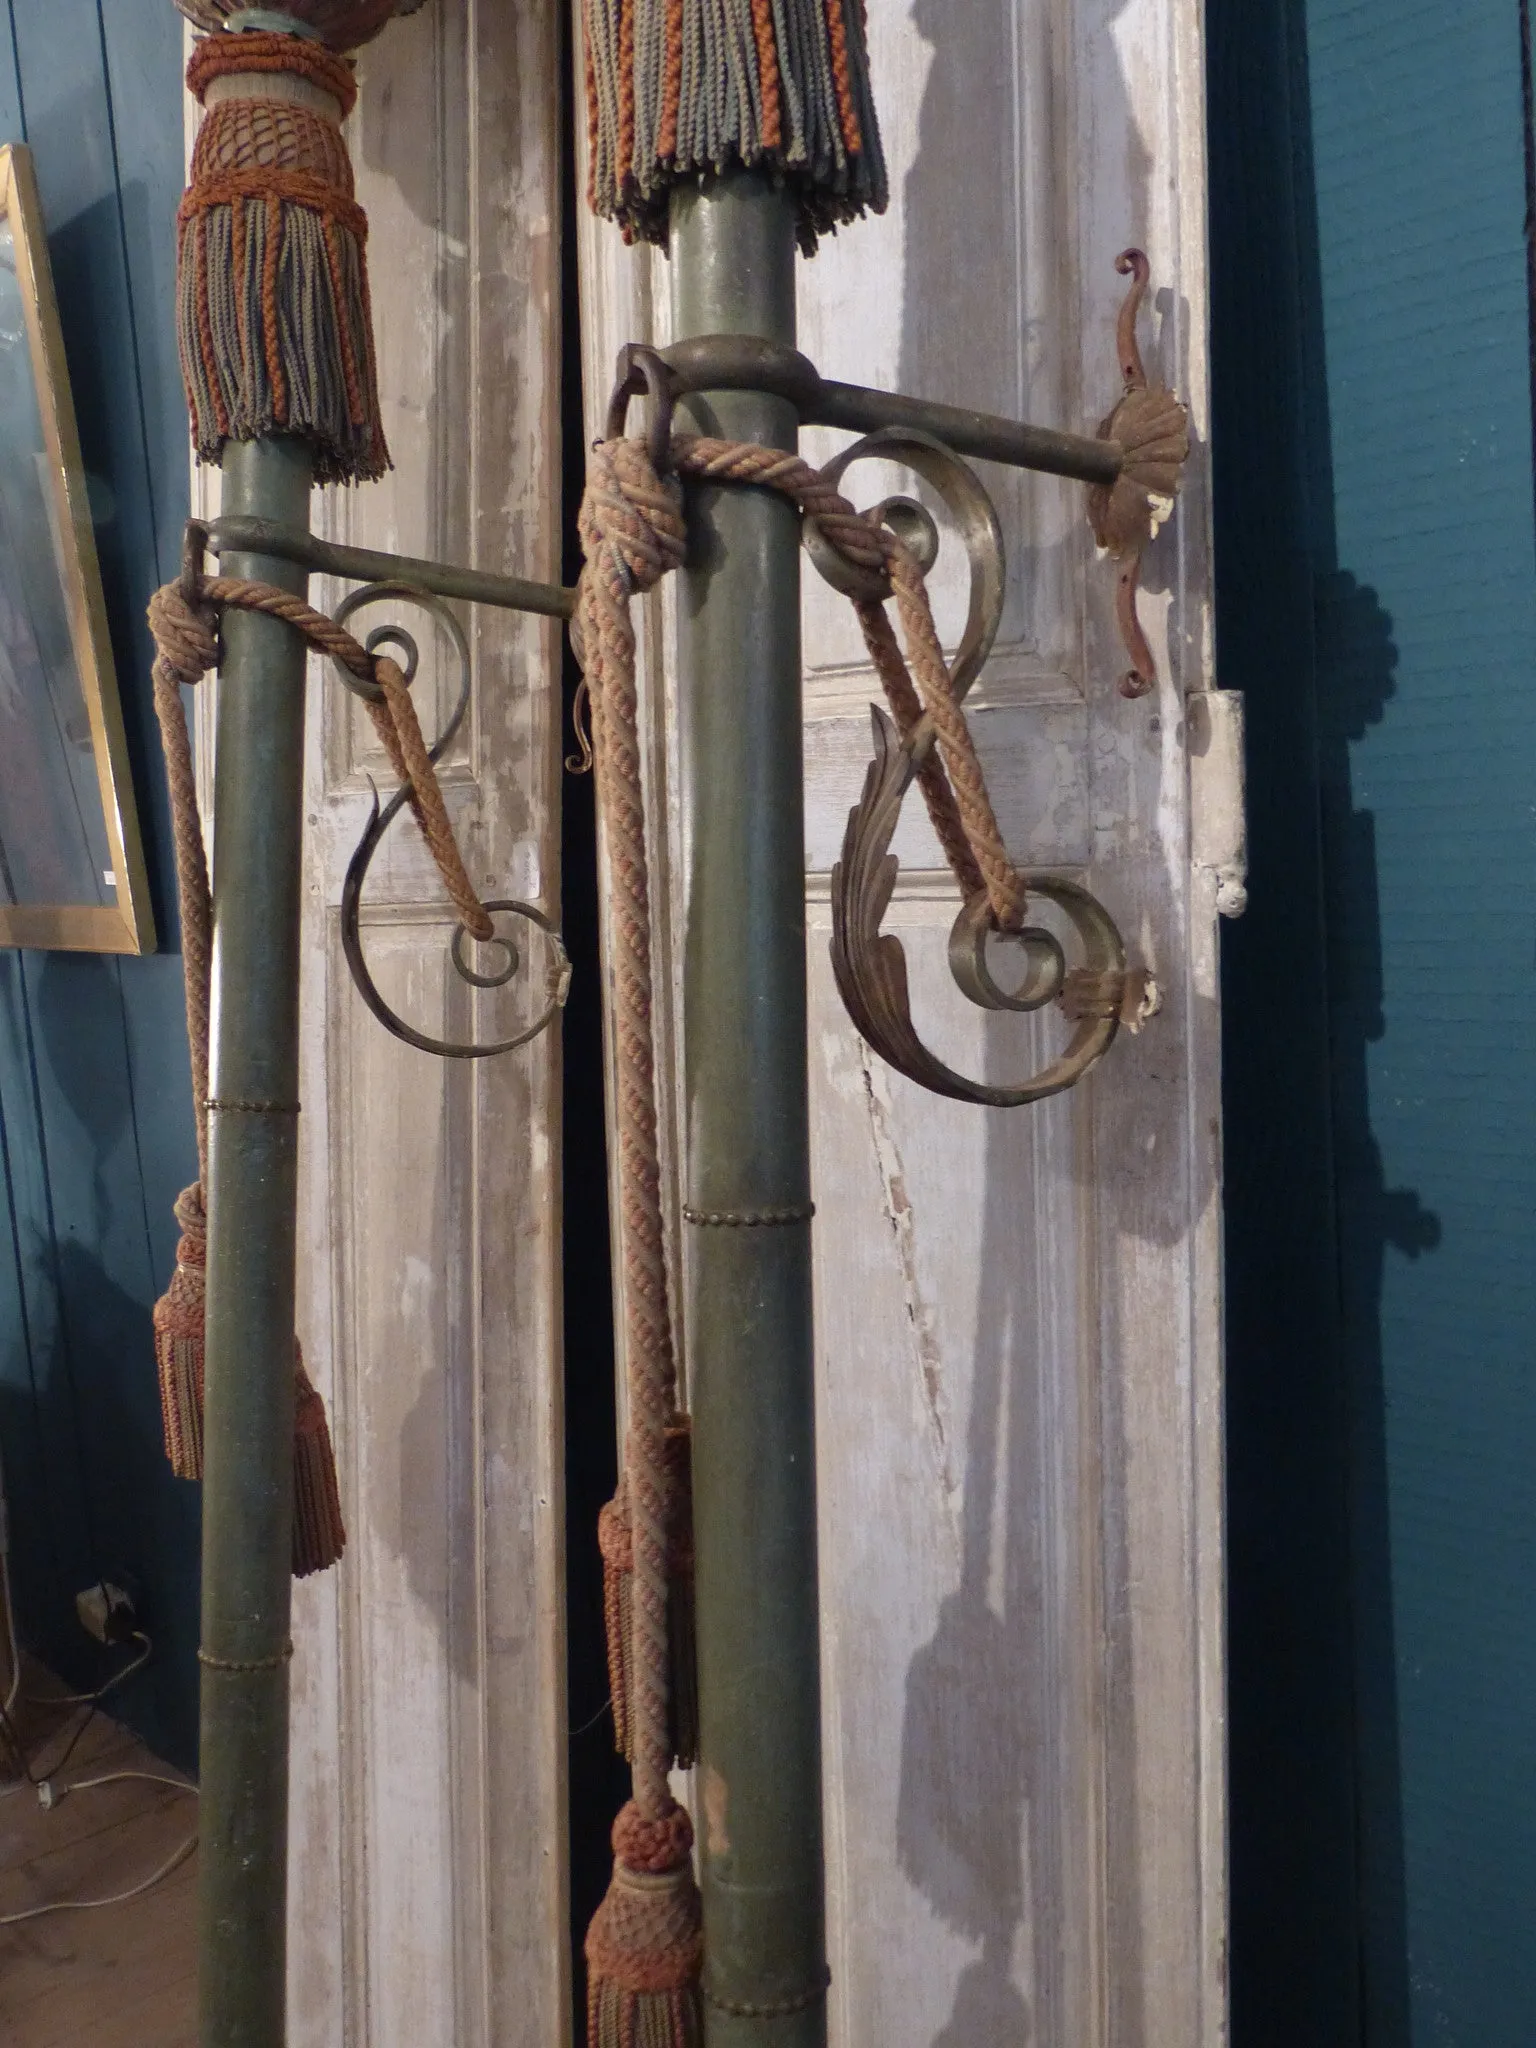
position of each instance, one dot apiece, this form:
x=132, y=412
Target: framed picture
x=71, y=864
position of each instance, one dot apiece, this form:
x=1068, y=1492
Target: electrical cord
x=593, y=1721
x=177, y=1856
x=24, y=1762
x=89, y=1700
x=42, y=1782
x=119, y=1777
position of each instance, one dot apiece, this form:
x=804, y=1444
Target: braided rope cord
x=632, y=533
x=917, y=684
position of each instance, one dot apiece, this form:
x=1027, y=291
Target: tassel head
x=275, y=326
x=645, y=1947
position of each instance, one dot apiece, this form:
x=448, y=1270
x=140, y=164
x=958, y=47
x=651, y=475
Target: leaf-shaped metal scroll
x=871, y=966
x=557, y=981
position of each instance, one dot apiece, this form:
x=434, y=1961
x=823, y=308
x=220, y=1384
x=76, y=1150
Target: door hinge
x=1218, y=812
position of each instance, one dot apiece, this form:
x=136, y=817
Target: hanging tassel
x=178, y=1322
x=319, y=1536
x=675, y=92
x=185, y=648
x=616, y=1541
x=645, y=1946
x=276, y=335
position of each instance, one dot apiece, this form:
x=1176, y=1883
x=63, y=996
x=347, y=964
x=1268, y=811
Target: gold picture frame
x=72, y=872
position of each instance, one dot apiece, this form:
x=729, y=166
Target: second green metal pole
x=252, y=1185
x=750, y=1344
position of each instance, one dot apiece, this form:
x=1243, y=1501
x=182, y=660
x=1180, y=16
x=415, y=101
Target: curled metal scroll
x=381, y=817
x=870, y=966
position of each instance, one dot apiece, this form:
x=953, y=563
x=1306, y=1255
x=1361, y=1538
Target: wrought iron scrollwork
x=870, y=965
x=381, y=817
x=871, y=969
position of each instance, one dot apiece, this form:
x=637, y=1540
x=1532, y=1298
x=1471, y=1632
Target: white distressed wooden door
x=1018, y=1348
x=427, y=1868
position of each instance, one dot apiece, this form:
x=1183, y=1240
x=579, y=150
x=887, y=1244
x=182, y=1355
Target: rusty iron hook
x=640, y=370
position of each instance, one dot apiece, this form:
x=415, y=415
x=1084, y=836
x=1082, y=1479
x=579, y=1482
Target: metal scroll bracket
x=1132, y=470
x=423, y=585
x=1095, y=990
x=1132, y=467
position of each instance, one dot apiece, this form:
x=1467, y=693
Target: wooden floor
x=121, y=1976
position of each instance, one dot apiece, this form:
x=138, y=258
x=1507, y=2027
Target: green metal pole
x=252, y=1183
x=750, y=1348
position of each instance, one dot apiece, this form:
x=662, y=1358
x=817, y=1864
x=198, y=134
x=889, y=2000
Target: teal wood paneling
x=1427, y=622
x=1377, y=599
x=93, y=1082
x=1294, y=1925
x=12, y=124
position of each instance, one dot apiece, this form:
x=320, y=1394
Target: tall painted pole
x=252, y=1188
x=732, y=164
x=748, y=1169
x=278, y=360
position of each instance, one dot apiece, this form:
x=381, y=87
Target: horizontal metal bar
x=237, y=533
x=742, y=362
x=983, y=436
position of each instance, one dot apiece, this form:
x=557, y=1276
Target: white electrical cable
x=177, y=1856
x=89, y=1699
x=117, y=1778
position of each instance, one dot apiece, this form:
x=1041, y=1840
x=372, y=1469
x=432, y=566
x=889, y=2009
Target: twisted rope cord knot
x=636, y=516
x=185, y=634
x=633, y=531
x=183, y=622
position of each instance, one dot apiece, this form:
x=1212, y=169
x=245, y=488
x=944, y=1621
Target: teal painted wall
x=95, y=1105
x=1377, y=602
